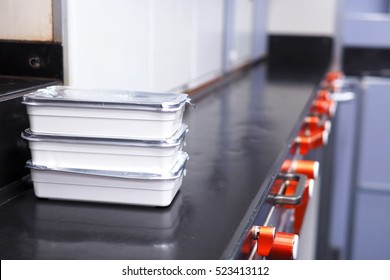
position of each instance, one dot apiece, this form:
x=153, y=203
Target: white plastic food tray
x=108, y=114
x=108, y=186
x=148, y=156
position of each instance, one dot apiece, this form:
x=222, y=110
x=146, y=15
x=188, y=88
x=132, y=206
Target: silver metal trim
x=102, y=105
x=37, y=98
x=176, y=171
x=253, y=252
x=343, y=96
x=176, y=140
x=256, y=230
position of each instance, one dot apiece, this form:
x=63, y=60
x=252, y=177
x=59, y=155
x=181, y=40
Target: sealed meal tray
x=108, y=186
x=63, y=110
x=149, y=156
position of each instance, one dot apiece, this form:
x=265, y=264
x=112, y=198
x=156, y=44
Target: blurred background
x=188, y=45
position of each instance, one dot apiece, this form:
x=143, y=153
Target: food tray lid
x=106, y=99
x=177, y=170
x=173, y=141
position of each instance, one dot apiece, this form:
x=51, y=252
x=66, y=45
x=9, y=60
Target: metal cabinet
x=371, y=224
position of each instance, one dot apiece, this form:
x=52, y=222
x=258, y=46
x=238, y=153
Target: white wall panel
x=302, y=17
x=260, y=36
x=106, y=44
x=151, y=45
x=243, y=24
x=171, y=30
x=207, y=48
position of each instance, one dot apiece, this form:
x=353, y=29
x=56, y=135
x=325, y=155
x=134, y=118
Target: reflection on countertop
x=237, y=133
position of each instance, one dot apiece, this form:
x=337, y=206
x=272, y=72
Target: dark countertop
x=11, y=84
x=14, y=151
x=239, y=134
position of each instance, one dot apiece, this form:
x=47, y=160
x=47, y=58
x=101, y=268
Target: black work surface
x=11, y=85
x=239, y=134
x=14, y=150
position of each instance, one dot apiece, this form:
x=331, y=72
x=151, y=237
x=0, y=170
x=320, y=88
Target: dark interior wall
x=300, y=52
x=31, y=59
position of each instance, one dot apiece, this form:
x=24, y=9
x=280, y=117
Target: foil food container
x=67, y=111
x=108, y=186
x=147, y=156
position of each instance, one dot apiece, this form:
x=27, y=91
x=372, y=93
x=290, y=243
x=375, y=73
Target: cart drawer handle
x=298, y=194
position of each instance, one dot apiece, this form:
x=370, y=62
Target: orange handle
x=309, y=168
x=300, y=210
x=327, y=126
x=306, y=143
x=333, y=75
x=290, y=190
x=306, y=167
x=332, y=80
x=311, y=123
x=287, y=166
x=323, y=107
x=285, y=247
x=319, y=139
x=324, y=95
x=303, y=143
x=265, y=240
x=276, y=186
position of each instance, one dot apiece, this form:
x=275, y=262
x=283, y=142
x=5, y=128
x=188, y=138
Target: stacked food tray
x=106, y=146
